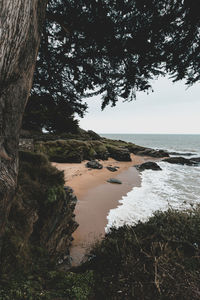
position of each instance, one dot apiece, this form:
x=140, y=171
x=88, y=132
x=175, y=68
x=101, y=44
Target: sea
x=176, y=186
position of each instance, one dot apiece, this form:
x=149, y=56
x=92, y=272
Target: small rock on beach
x=94, y=164
x=112, y=169
x=114, y=180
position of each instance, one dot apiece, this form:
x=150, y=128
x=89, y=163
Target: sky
x=172, y=108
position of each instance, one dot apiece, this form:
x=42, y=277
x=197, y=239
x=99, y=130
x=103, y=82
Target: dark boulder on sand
x=180, y=161
x=148, y=166
x=114, y=180
x=94, y=164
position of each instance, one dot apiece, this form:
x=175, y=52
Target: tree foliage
x=114, y=48
x=55, y=115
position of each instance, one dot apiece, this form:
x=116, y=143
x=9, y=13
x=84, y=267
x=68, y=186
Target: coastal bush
x=159, y=259
x=54, y=285
x=72, y=151
x=69, y=151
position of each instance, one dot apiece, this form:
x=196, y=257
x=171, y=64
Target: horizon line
x=148, y=133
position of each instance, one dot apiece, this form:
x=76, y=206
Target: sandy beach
x=96, y=197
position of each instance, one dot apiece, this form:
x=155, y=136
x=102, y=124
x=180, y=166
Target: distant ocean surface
x=176, y=186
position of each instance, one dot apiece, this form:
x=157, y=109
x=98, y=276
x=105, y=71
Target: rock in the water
x=153, y=153
x=148, y=166
x=94, y=164
x=196, y=159
x=112, y=169
x=180, y=161
x=114, y=180
x=181, y=153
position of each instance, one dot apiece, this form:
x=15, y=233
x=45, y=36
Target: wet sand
x=96, y=197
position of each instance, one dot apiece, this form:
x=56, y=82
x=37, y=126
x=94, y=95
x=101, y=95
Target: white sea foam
x=175, y=186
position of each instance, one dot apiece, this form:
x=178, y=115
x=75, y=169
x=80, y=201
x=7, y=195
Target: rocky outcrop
x=94, y=164
x=153, y=153
x=41, y=217
x=143, y=151
x=195, y=159
x=148, y=166
x=180, y=161
x=93, y=135
x=119, y=153
x=181, y=153
x=134, y=148
x=114, y=180
x=100, y=150
x=77, y=150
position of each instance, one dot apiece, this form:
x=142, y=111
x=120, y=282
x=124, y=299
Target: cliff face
x=41, y=219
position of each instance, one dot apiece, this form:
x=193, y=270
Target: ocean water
x=176, y=186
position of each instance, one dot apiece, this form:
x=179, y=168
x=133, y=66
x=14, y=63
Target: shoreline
x=92, y=211
x=96, y=197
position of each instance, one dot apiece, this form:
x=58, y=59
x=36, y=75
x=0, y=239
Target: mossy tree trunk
x=20, y=30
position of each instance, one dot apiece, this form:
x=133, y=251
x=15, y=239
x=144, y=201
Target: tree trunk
x=20, y=30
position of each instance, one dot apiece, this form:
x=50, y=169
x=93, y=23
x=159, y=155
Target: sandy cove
x=96, y=197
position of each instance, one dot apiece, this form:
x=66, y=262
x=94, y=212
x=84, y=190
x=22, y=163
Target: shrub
x=159, y=259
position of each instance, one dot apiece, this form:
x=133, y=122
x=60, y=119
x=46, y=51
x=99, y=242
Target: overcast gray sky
x=171, y=108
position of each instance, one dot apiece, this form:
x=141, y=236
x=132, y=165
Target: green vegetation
x=98, y=47
x=55, y=285
x=73, y=150
x=40, y=188
x=159, y=259
x=87, y=146
x=77, y=150
x=55, y=116
x=66, y=151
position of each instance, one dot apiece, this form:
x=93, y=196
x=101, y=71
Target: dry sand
x=96, y=197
